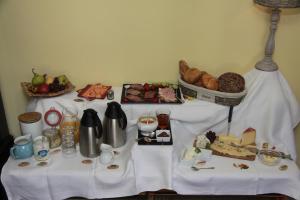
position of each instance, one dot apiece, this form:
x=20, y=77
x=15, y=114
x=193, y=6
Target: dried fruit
x=283, y=167
x=241, y=166
x=211, y=136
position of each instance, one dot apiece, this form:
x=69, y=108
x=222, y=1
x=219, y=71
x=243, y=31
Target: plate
x=148, y=94
x=27, y=85
x=94, y=91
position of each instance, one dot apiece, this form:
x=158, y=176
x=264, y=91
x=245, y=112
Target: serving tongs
x=199, y=168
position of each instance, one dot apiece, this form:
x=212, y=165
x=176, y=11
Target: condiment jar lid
x=50, y=132
x=30, y=117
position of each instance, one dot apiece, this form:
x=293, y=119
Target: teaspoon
x=146, y=139
x=198, y=168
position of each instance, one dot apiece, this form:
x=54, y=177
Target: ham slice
x=133, y=92
x=134, y=98
x=167, y=94
x=139, y=87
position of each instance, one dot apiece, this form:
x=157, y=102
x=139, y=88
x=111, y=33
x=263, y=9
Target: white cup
x=107, y=154
x=31, y=124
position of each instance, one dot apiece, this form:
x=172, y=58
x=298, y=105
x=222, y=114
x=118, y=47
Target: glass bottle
x=70, y=119
x=68, y=144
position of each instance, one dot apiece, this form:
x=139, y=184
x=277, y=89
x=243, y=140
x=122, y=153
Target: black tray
x=150, y=101
x=154, y=142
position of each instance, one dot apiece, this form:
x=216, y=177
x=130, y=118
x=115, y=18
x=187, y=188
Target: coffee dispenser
x=90, y=134
x=114, y=125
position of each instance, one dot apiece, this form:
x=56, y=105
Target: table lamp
x=267, y=63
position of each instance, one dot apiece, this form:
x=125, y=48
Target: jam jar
x=53, y=136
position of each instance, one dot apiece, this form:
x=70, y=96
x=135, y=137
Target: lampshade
x=279, y=3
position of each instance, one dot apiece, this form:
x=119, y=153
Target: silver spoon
x=198, y=168
x=146, y=139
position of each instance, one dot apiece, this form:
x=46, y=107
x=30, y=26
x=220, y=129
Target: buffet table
x=269, y=107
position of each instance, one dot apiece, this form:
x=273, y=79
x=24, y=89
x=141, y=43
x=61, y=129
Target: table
x=269, y=107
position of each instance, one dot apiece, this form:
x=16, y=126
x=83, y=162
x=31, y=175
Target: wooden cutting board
x=227, y=150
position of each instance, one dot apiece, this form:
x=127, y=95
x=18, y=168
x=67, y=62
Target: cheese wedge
x=248, y=137
x=228, y=139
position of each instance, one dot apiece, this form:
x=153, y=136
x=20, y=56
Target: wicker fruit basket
x=27, y=89
x=222, y=98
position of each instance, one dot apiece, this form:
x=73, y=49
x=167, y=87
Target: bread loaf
x=231, y=82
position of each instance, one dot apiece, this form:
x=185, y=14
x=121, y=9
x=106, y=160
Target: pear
x=63, y=80
x=37, y=78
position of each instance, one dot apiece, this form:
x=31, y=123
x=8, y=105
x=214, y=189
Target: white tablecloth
x=269, y=107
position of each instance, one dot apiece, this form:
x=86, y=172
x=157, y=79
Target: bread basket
x=222, y=98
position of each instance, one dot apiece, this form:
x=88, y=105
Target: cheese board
x=231, y=146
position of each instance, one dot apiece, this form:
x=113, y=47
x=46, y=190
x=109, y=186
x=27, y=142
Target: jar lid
x=50, y=132
x=30, y=117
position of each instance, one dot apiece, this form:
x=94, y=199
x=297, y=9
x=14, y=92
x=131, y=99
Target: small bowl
x=188, y=156
x=205, y=154
x=147, y=124
x=163, y=135
x=267, y=157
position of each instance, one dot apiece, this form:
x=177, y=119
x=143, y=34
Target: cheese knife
x=276, y=154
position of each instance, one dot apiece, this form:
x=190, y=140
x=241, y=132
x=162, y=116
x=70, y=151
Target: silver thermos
x=90, y=134
x=114, y=125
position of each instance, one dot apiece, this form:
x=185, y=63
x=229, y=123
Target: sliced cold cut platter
x=151, y=94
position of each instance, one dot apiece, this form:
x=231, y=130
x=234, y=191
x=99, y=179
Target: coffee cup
x=31, y=124
x=22, y=147
x=41, y=148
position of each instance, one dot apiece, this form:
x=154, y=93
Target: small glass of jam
x=163, y=118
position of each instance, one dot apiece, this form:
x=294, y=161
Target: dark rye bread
x=231, y=82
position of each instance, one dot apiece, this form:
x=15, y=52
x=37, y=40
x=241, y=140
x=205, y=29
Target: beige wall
x=115, y=41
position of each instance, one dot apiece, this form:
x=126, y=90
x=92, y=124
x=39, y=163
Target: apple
x=43, y=88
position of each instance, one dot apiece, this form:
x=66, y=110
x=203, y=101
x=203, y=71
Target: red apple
x=43, y=88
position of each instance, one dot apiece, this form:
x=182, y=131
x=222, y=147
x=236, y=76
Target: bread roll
x=199, y=83
x=192, y=75
x=210, y=82
x=183, y=67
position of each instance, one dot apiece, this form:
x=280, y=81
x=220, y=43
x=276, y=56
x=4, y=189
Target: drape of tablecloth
x=270, y=107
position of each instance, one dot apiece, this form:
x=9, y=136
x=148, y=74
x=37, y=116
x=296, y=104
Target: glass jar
x=70, y=119
x=53, y=136
x=68, y=144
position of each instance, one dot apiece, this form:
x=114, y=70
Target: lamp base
x=267, y=64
